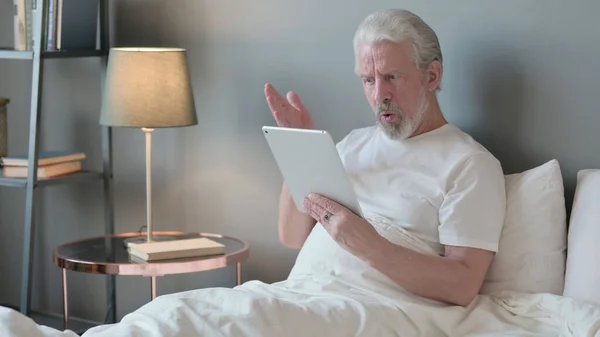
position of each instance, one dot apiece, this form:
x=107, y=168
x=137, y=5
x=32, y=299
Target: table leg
x=65, y=299
x=153, y=285
x=239, y=273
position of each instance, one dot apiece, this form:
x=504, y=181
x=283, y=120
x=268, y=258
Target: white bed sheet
x=361, y=302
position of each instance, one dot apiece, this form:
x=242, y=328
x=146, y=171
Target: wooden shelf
x=83, y=176
x=15, y=54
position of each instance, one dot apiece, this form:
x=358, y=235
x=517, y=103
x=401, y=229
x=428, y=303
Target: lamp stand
x=148, y=133
x=149, y=236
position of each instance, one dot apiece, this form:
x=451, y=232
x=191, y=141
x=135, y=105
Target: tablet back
x=309, y=163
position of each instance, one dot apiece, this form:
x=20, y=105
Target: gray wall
x=519, y=75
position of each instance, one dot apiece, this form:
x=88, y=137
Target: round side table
x=108, y=255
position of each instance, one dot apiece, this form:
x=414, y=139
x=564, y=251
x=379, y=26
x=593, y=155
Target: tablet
x=309, y=163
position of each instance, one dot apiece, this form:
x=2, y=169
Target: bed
x=532, y=288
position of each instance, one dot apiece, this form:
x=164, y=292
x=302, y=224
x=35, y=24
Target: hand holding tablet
x=307, y=158
x=310, y=163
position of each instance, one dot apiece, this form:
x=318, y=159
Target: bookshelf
x=32, y=184
x=28, y=55
x=16, y=55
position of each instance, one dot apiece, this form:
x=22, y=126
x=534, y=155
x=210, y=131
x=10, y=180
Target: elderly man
x=412, y=167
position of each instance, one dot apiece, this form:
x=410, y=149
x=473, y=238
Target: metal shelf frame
x=77, y=177
x=16, y=55
x=31, y=184
x=29, y=55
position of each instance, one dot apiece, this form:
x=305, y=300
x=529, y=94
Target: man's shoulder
x=468, y=152
x=464, y=143
x=362, y=133
x=358, y=135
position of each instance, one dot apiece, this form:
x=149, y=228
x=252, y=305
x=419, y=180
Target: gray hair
x=397, y=25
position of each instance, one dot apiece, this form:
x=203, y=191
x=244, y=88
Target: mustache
x=382, y=107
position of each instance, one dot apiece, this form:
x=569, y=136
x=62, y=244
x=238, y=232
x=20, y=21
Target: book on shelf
x=47, y=171
x=23, y=24
x=50, y=164
x=175, y=249
x=44, y=158
x=70, y=24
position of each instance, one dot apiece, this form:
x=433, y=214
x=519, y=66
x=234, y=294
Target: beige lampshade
x=148, y=88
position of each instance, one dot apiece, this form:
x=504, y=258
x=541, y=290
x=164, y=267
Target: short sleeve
x=473, y=210
x=341, y=145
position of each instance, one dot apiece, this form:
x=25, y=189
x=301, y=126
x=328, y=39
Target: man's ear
x=433, y=75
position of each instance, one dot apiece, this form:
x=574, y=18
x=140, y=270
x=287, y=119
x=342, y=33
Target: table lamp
x=147, y=88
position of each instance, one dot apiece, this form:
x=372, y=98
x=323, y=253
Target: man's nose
x=383, y=94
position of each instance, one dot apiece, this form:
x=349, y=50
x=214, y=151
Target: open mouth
x=386, y=116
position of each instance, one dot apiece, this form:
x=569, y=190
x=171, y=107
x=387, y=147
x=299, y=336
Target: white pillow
x=582, y=279
x=531, y=256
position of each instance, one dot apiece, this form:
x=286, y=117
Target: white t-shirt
x=442, y=186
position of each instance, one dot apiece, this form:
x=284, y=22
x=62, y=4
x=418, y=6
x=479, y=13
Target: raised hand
x=290, y=113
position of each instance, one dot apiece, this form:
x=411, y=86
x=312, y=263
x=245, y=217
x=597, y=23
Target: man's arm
x=454, y=278
x=294, y=226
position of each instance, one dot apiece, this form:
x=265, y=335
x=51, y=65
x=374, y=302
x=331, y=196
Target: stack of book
x=71, y=24
x=23, y=24
x=175, y=249
x=50, y=164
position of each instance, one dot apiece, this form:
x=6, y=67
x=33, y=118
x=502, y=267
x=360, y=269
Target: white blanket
x=331, y=293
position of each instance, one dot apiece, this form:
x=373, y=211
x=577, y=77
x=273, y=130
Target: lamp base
x=143, y=239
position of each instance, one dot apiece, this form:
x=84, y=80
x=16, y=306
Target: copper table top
x=108, y=255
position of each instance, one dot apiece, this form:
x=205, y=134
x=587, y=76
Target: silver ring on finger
x=327, y=216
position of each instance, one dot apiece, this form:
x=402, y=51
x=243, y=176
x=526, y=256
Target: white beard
x=406, y=126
